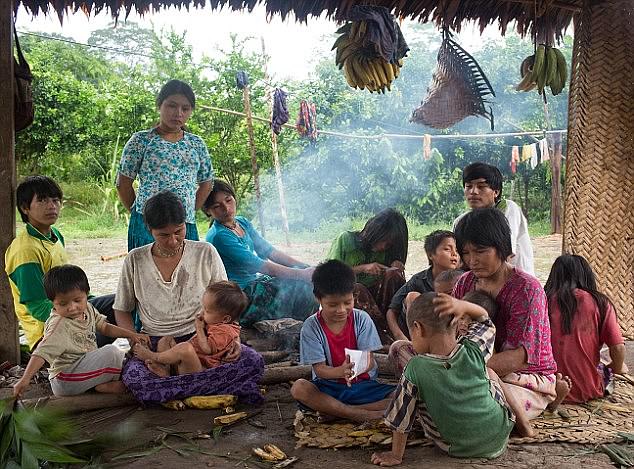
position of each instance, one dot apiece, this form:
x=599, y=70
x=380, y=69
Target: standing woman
x=165, y=157
x=377, y=254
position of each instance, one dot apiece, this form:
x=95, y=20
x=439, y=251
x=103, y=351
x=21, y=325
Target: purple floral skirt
x=239, y=378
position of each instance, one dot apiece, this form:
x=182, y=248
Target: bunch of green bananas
x=362, y=66
x=546, y=68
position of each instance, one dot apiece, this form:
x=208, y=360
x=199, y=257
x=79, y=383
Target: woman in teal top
x=278, y=285
x=377, y=254
x=165, y=157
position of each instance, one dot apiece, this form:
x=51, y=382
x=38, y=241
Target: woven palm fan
x=458, y=89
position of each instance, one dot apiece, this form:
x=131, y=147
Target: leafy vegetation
x=89, y=102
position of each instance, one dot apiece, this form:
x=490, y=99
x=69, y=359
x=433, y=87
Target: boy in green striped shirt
x=448, y=387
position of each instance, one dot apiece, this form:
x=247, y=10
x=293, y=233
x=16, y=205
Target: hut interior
x=598, y=202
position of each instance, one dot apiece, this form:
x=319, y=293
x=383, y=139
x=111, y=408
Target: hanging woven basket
x=458, y=89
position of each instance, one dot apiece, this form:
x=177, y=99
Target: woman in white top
x=163, y=283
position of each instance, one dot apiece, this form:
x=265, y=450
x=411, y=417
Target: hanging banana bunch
x=546, y=68
x=362, y=57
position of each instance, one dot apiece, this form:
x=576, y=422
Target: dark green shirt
x=347, y=249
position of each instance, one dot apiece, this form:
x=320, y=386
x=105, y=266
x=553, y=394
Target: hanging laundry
x=543, y=149
x=280, y=115
x=307, y=120
x=242, y=79
x=426, y=147
x=515, y=158
x=533, y=159
x=526, y=153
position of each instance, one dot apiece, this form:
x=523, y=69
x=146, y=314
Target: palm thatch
x=529, y=16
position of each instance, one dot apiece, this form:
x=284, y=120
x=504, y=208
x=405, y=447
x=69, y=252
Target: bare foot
x=142, y=352
x=113, y=387
x=562, y=388
x=524, y=428
x=157, y=368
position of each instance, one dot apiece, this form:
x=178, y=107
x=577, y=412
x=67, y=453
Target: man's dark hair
x=35, y=186
x=162, y=209
x=65, y=278
x=422, y=310
x=433, y=240
x=333, y=277
x=485, y=227
x=229, y=298
x=173, y=87
x=484, y=299
x=491, y=175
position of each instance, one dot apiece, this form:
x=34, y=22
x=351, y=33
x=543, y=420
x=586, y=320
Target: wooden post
x=9, y=345
x=555, y=197
x=254, y=160
x=276, y=158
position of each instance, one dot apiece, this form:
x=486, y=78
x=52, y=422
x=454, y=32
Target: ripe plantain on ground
x=546, y=68
x=362, y=66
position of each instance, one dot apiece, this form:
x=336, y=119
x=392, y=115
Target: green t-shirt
x=457, y=394
x=347, y=249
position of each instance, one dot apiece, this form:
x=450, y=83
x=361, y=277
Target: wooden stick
x=82, y=403
x=254, y=160
x=276, y=158
x=284, y=374
x=116, y=256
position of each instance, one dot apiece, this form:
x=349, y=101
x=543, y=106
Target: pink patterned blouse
x=522, y=319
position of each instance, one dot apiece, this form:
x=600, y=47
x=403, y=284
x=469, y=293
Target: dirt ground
x=103, y=275
x=233, y=447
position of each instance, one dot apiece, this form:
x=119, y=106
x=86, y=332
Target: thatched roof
x=552, y=15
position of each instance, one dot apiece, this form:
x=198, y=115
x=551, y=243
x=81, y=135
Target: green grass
x=86, y=223
x=89, y=213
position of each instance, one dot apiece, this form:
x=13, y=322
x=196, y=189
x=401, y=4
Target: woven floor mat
x=343, y=434
x=595, y=422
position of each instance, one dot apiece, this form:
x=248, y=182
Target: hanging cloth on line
x=526, y=153
x=515, y=158
x=280, y=115
x=307, y=120
x=543, y=149
x=426, y=147
x=533, y=159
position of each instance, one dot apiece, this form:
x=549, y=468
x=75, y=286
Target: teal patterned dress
x=160, y=165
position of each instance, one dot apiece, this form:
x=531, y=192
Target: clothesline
x=390, y=135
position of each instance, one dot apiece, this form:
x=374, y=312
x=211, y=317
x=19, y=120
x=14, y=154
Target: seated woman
x=163, y=282
x=377, y=254
x=523, y=342
x=277, y=285
x=582, y=320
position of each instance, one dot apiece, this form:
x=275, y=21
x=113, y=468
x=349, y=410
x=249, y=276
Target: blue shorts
x=362, y=392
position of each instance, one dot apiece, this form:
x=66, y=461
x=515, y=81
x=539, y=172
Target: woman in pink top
x=523, y=358
x=582, y=319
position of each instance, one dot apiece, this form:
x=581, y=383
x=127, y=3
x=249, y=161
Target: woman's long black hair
x=387, y=225
x=569, y=272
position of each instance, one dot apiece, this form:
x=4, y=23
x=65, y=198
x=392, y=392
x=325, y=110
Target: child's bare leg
x=112, y=387
x=522, y=423
x=562, y=388
x=182, y=355
x=142, y=352
x=378, y=405
x=308, y=394
x=165, y=343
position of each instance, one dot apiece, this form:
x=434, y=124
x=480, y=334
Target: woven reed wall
x=599, y=199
